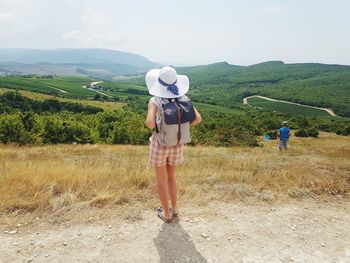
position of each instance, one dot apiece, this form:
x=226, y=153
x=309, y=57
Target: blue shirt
x=284, y=133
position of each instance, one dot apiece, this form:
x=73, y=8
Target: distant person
x=284, y=134
x=168, y=103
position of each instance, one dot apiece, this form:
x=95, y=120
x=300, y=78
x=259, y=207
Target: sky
x=191, y=32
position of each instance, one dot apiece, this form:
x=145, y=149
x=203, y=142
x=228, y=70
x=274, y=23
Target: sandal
x=174, y=214
x=161, y=216
x=160, y=209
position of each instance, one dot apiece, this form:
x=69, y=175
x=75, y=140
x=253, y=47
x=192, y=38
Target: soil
x=307, y=230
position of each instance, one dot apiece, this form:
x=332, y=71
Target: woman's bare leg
x=162, y=187
x=172, y=187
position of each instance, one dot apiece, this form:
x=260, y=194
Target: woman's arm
x=198, y=118
x=151, y=115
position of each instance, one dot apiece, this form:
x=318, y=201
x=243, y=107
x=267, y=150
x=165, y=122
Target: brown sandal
x=161, y=216
x=160, y=209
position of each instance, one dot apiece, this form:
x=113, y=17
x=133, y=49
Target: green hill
x=321, y=85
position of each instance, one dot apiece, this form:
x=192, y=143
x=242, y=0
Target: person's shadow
x=174, y=244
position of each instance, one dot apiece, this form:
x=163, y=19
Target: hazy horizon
x=185, y=33
x=181, y=65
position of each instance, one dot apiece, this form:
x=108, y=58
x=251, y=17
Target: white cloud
x=97, y=30
x=71, y=2
x=241, y=32
x=274, y=9
x=93, y=39
x=6, y=16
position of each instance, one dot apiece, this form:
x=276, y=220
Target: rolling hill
x=321, y=85
x=222, y=84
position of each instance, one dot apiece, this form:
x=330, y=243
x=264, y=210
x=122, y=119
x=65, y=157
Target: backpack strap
x=178, y=109
x=159, y=104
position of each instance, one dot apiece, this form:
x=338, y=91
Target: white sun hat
x=166, y=83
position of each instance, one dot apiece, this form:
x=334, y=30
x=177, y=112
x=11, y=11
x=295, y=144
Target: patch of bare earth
x=307, y=230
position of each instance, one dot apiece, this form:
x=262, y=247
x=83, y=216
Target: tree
x=97, y=96
x=12, y=129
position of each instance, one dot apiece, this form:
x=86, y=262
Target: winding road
x=329, y=111
x=93, y=84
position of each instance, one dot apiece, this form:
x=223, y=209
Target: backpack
x=174, y=119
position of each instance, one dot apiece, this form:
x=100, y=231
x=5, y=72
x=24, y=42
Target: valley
x=217, y=90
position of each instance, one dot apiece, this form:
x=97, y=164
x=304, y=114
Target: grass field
x=106, y=105
x=124, y=90
x=72, y=85
x=48, y=178
x=208, y=107
x=286, y=108
x=37, y=88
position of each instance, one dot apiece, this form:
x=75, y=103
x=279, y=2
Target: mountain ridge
x=99, y=63
x=72, y=55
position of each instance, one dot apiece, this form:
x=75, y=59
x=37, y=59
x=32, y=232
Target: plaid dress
x=160, y=155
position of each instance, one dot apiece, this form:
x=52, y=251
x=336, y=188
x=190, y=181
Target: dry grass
x=39, y=96
x=51, y=178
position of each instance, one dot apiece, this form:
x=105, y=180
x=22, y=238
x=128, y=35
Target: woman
x=164, y=85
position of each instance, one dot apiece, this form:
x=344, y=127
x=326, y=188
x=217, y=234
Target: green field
x=208, y=107
x=74, y=89
x=72, y=85
x=123, y=90
x=218, y=94
x=287, y=108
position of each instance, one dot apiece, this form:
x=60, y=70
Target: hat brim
x=158, y=90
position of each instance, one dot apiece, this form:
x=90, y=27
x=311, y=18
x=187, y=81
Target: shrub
x=312, y=132
x=301, y=133
x=13, y=130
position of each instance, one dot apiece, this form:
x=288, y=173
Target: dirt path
x=60, y=90
x=329, y=111
x=94, y=90
x=297, y=231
